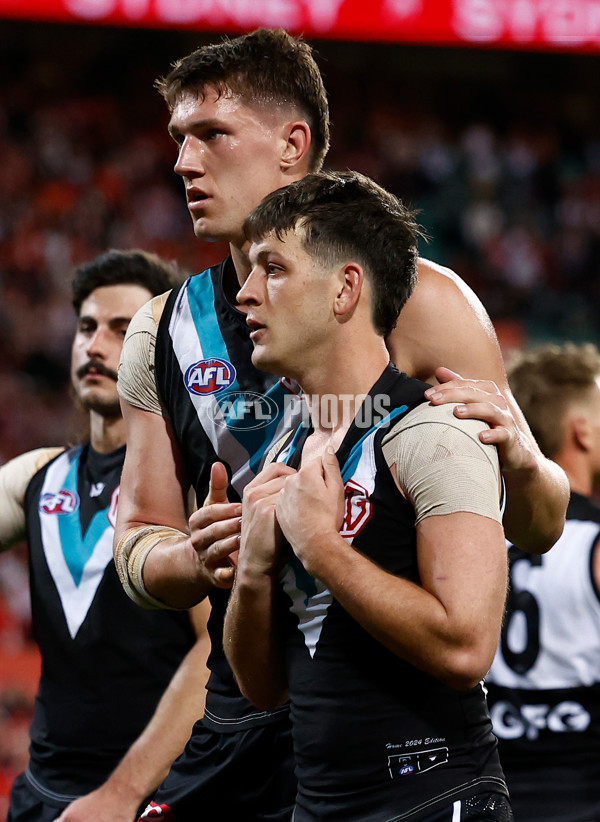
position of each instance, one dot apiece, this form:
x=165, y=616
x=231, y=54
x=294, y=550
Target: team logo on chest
x=358, y=509
x=64, y=502
x=209, y=376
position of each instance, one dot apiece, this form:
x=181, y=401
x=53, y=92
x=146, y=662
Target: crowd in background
x=499, y=151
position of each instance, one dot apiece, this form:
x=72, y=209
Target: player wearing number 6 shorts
x=544, y=685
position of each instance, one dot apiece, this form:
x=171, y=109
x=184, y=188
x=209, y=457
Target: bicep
x=462, y=561
x=445, y=323
x=154, y=485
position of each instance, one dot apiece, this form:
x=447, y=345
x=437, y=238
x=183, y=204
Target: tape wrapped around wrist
x=131, y=553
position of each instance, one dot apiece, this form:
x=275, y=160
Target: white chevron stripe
x=311, y=610
x=75, y=599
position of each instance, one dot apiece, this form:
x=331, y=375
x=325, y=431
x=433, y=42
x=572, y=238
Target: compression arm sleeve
x=15, y=476
x=441, y=464
x=136, y=383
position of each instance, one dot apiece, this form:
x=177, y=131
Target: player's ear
x=350, y=285
x=581, y=432
x=296, y=150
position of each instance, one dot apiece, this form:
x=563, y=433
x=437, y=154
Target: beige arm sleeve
x=14, y=479
x=441, y=464
x=136, y=383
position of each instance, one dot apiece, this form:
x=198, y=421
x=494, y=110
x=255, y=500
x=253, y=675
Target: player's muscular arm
x=444, y=317
x=251, y=638
x=444, y=324
x=154, y=492
x=164, y=559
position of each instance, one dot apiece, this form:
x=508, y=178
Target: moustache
x=98, y=368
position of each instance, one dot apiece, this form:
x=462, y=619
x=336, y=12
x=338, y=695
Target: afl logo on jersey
x=209, y=376
x=62, y=503
x=358, y=509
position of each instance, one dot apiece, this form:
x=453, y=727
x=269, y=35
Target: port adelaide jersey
x=220, y=408
x=375, y=738
x=106, y=661
x=544, y=685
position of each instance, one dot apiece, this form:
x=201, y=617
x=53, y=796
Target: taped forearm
x=131, y=552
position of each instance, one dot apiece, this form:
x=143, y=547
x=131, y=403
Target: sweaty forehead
x=193, y=105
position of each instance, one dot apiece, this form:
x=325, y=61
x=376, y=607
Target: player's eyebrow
x=196, y=125
x=115, y=322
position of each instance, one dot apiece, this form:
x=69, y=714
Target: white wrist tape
x=131, y=552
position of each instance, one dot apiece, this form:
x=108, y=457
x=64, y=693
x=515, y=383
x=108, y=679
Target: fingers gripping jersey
x=544, y=684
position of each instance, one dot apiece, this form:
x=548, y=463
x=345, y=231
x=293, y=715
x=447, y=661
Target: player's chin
x=260, y=357
x=210, y=231
x=265, y=360
x=103, y=404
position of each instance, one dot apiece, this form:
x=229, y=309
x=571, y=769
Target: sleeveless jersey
x=220, y=408
x=105, y=660
x=544, y=684
x=375, y=738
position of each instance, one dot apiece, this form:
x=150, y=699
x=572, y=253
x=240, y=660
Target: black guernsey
x=375, y=738
x=220, y=408
x=105, y=660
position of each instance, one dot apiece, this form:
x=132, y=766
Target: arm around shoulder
x=445, y=324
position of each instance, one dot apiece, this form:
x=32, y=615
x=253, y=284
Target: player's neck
x=235, y=273
x=578, y=471
x=106, y=433
x=336, y=386
x=241, y=263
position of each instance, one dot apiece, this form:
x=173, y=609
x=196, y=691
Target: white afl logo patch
x=209, y=376
x=357, y=509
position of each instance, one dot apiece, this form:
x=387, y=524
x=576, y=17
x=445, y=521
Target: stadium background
x=499, y=147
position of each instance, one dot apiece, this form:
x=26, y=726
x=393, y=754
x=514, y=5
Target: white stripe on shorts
x=456, y=811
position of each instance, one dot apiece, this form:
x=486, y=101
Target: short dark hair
x=132, y=267
x=546, y=381
x=264, y=67
x=346, y=215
